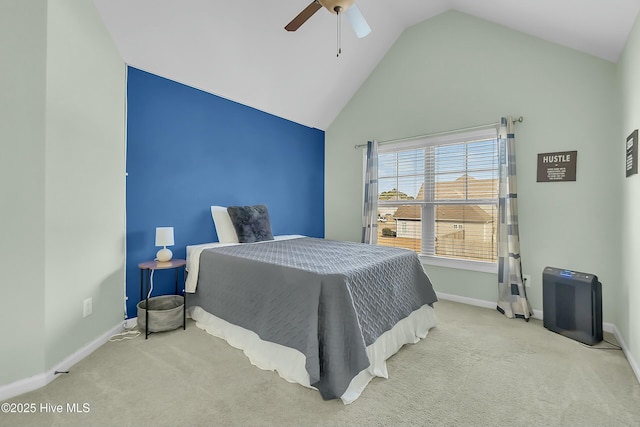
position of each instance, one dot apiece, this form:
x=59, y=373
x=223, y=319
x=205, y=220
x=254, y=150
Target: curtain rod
x=519, y=120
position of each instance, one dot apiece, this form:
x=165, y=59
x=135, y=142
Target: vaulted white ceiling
x=239, y=50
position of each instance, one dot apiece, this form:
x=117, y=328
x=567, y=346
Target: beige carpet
x=475, y=368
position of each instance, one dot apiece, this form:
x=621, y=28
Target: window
x=439, y=196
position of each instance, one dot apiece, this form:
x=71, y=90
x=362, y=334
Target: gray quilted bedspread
x=327, y=299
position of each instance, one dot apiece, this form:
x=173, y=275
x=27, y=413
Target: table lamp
x=164, y=238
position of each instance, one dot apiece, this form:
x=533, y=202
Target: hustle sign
x=557, y=167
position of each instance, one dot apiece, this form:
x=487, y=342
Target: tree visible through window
x=439, y=196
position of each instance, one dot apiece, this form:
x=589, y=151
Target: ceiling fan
x=338, y=7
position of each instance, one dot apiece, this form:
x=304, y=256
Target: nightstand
x=145, y=283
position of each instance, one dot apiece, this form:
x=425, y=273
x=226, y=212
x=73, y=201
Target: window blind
x=439, y=196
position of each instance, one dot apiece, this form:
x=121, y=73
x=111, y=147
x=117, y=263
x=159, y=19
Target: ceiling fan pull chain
x=338, y=9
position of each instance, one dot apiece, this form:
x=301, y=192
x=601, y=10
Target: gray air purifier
x=572, y=304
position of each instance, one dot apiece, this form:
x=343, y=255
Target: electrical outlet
x=526, y=278
x=87, y=307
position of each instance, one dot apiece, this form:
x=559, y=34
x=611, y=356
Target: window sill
x=462, y=264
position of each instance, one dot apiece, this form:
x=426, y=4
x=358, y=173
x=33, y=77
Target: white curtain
x=370, y=211
x=512, y=296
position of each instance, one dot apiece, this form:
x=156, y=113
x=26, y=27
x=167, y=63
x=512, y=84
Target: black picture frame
x=631, y=160
x=559, y=166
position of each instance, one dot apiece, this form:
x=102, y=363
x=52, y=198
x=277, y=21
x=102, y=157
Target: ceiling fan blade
x=357, y=21
x=303, y=16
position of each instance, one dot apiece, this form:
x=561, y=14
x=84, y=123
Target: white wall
x=22, y=185
x=65, y=182
x=629, y=292
x=455, y=71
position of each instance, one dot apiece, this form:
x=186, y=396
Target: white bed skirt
x=290, y=363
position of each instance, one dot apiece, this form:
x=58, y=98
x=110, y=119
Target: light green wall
x=85, y=175
x=23, y=26
x=629, y=293
x=455, y=71
x=65, y=180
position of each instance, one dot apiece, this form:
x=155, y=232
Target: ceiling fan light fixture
x=336, y=6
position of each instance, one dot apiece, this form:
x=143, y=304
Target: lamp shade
x=164, y=236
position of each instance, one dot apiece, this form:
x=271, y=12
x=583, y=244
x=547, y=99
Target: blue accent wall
x=188, y=150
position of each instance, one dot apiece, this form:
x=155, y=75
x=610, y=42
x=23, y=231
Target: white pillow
x=224, y=226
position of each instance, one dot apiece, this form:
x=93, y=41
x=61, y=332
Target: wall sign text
x=632, y=153
x=557, y=167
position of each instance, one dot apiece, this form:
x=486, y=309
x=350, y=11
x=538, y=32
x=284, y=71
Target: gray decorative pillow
x=251, y=223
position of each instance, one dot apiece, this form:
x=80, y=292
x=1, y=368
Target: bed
x=322, y=313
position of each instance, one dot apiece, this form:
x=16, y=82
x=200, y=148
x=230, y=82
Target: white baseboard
x=538, y=314
x=625, y=350
x=7, y=391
